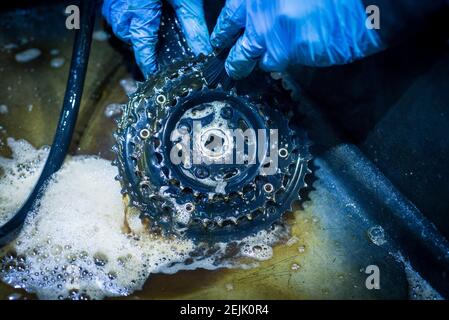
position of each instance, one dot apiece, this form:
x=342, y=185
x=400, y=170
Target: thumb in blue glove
x=279, y=33
x=137, y=22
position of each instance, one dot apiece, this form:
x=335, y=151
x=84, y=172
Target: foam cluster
x=80, y=244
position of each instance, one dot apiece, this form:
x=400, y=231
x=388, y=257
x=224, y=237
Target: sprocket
x=199, y=161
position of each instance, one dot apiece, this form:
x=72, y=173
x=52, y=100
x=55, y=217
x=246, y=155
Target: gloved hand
x=137, y=22
x=279, y=33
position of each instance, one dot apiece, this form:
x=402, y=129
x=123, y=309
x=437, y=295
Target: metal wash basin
x=376, y=195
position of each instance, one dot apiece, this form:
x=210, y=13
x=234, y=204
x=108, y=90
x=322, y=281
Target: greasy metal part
x=218, y=197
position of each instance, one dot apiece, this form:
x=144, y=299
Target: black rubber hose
x=67, y=119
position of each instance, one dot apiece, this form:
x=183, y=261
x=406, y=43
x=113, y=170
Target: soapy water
x=113, y=109
x=79, y=243
x=129, y=85
x=19, y=175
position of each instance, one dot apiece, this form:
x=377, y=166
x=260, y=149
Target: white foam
x=100, y=35
x=3, y=109
x=77, y=243
x=57, y=62
x=113, y=109
x=260, y=246
x=28, y=55
x=128, y=85
x=54, y=52
x=19, y=175
x=10, y=46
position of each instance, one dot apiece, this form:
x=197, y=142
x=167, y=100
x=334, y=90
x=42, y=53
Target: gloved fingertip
x=146, y=60
x=201, y=46
x=148, y=70
x=230, y=71
x=269, y=63
x=106, y=10
x=242, y=58
x=238, y=70
x=196, y=34
x=215, y=41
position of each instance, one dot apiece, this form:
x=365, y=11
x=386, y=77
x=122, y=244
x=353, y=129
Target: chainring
x=215, y=192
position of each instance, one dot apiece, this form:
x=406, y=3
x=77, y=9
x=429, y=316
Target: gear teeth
x=139, y=85
x=151, y=193
x=205, y=223
x=219, y=222
x=233, y=92
x=116, y=136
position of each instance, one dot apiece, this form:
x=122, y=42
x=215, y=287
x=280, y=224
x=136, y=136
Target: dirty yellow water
x=305, y=267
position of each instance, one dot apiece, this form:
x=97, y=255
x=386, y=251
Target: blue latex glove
x=280, y=33
x=137, y=22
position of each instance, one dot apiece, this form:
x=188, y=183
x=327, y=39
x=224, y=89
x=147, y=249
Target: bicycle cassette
x=208, y=163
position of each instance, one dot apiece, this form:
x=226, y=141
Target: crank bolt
x=268, y=187
x=144, y=133
x=161, y=99
x=201, y=173
x=189, y=207
x=226, y=113
x=283, y=153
